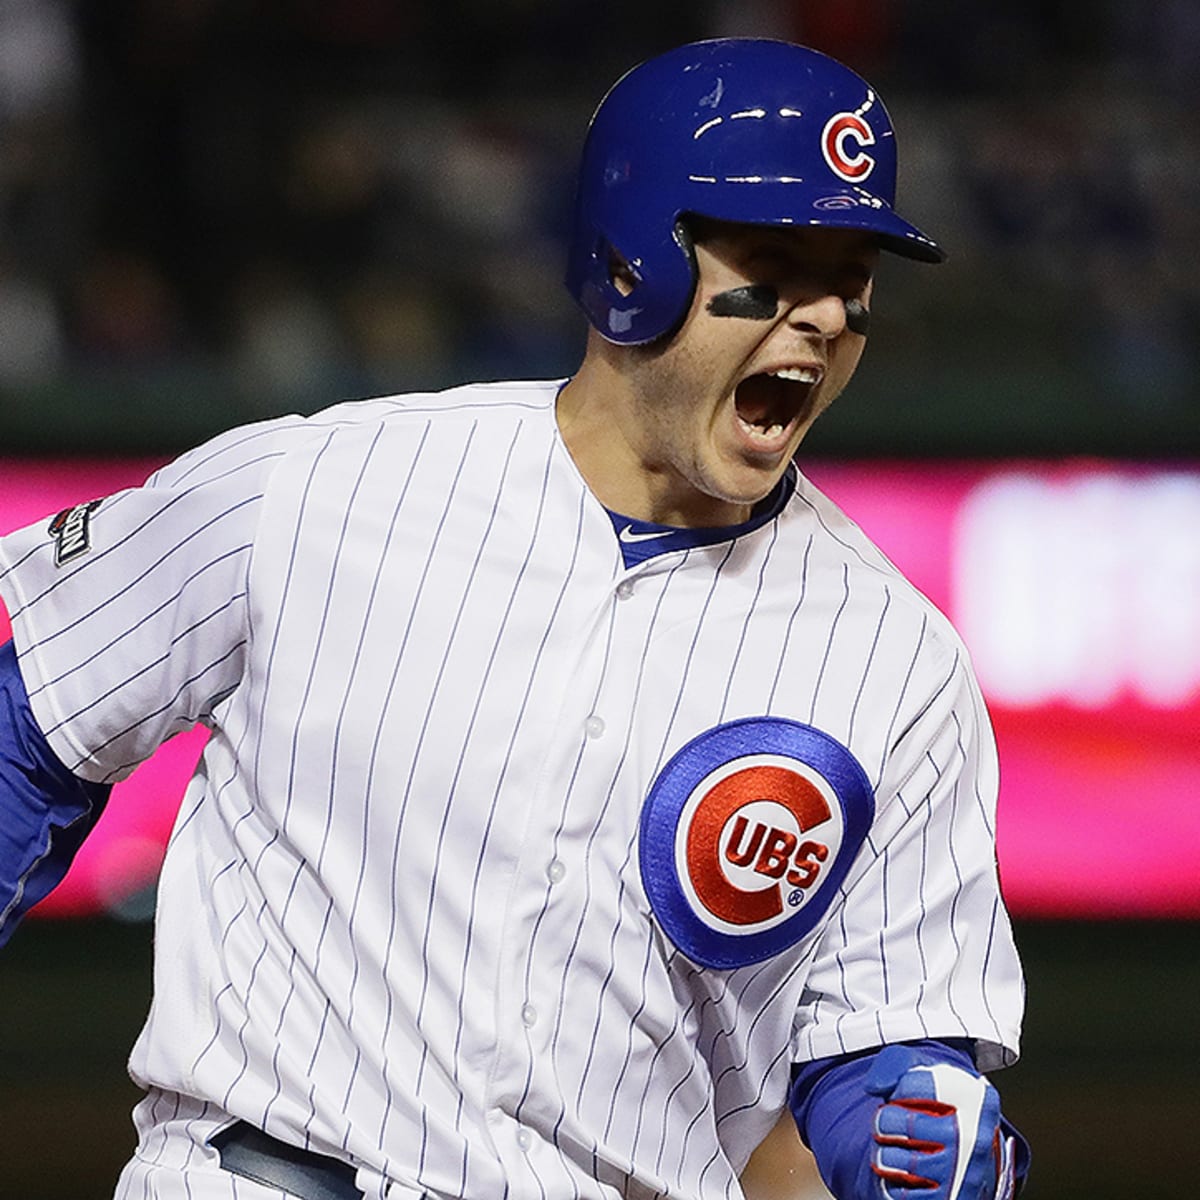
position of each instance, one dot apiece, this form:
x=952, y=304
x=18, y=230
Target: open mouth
x=769, y=405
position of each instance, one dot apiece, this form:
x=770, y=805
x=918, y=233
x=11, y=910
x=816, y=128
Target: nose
x=822, y=313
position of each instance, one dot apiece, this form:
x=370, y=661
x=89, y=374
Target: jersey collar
x=641, y=540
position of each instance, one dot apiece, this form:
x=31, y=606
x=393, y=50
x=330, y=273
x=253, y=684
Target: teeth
x=798, y=374
x=758, y=432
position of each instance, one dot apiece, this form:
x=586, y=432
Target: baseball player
x=584, y=790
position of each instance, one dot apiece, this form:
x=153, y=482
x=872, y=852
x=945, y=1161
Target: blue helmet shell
x=737, y=129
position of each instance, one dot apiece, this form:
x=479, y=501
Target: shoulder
x=491, y=401
x=255, y=452
x=863, y=571
x=874, y=629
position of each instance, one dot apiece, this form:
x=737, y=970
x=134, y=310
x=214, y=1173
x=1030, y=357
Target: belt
x=255, y=1155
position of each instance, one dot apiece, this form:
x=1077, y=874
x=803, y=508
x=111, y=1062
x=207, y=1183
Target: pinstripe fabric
x=401, y=917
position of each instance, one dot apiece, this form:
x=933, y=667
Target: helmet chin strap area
x=760, y=302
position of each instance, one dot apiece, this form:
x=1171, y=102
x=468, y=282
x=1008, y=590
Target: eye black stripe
x=858, y=317
x=754, y=302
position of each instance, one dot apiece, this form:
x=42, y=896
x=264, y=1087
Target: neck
x=602, y=423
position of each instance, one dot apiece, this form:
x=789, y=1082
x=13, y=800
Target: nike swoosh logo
x=627, y=535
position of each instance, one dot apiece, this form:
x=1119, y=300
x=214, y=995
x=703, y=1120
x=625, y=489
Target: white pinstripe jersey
x=404, y=916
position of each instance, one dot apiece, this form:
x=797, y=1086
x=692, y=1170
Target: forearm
x=858, y=1114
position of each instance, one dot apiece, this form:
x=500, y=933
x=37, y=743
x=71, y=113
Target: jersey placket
x=578, y=860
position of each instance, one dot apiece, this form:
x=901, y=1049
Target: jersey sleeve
x=921, y=946
x=129, y=612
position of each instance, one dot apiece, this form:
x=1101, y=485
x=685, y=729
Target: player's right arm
x=45, y=811
x=129, y=622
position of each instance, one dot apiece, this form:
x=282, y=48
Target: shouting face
x=709, y=418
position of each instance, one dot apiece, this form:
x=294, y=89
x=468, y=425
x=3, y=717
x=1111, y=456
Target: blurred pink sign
x=1076, y=586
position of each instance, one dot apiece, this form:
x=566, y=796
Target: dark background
x=216, y=211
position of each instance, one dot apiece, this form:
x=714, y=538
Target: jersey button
x=624, y=589
x=529, y=1015
x=524, y=1139
x=594, y=726
x=556, y=870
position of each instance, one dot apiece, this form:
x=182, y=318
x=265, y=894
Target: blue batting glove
x=938, y=1134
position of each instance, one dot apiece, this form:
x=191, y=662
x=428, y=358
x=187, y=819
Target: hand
x=938, y=1133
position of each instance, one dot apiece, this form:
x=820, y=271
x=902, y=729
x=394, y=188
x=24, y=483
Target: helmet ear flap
x=684, y=239
x=625, y=276
x=635, y=300
x=682, y=233
x=609, y=293
x=667, y=294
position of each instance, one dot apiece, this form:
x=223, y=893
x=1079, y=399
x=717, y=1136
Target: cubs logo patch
x=71, y=531
x=746, y=835
x=842, y=143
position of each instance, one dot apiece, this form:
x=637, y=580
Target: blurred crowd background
x=215, y=210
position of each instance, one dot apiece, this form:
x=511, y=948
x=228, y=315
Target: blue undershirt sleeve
x=45, y=811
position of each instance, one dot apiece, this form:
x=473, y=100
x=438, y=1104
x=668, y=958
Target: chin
x=745, y=492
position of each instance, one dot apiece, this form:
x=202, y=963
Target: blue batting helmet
x=736, y=129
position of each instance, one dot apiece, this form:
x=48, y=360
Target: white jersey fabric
x=404, y=917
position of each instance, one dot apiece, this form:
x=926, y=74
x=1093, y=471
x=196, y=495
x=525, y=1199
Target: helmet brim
x=788, y=203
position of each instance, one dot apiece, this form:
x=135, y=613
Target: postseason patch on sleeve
x=71, y=531
x=746, y=835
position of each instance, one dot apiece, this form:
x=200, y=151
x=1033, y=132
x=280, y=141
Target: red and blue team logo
x=842, y=143
x=746, y=835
